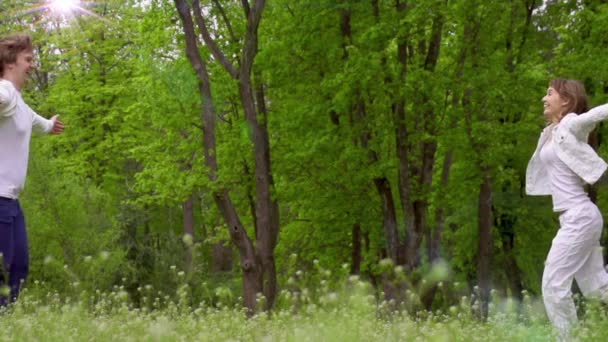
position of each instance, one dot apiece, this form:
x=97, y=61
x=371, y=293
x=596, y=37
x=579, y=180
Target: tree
x=257, y=262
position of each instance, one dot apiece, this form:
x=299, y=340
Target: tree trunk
x=250, y=264
x=434, y=237
x=266, y=207
x=403, y=148
x=382, y=184
x=267, y=213
x=420, y=172
x=389, y=219
x=484, y=249
x=221, y=257
x=355, y=265
x=188, y=213
x=506, y=222
x=405, y=176
x=511, y=268
x=264, y=188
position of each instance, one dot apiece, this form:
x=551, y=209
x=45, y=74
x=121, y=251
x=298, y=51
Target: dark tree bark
x=506, y=222
x=394, y=247
x=416, y=175
x=434, y=237
x=355, y=265
x=403, y=149
x=428, y=146
x=221, y=260
x=506, y=226
x=258, y=262
x=188, y=214
x=484, y=248
x=358, y=114
x=250, y=264
x=266, y=206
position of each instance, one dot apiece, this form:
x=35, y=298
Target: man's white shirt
x=17, y=121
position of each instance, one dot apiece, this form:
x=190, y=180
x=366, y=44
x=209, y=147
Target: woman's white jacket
x=571, y=147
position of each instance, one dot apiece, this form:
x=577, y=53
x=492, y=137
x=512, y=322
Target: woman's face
x=554, y=105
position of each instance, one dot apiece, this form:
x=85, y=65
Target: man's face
x=23, y=66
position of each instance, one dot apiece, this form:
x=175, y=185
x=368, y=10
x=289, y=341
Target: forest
x=262, y=154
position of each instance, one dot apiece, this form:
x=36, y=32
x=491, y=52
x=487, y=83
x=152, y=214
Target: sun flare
x=63, y=6
x=60, y=10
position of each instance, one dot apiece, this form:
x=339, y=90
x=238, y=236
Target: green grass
x=323, y=310
x=314, y=323
x=351, y=314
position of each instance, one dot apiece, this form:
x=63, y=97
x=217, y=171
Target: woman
x=561, y=165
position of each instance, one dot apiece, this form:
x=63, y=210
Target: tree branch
x=191, y=47
x=245, y=4
x=435, y=41
x=250, y=48
x=219, y=7
x=258, y=8
x=215, y=50
x=530, y=7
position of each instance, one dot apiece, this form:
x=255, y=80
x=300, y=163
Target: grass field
x=351, y=314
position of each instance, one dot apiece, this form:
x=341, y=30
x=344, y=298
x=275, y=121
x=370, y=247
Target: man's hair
x=11, y=46
x=572, y=91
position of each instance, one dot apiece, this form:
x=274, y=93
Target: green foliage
x=72, y=232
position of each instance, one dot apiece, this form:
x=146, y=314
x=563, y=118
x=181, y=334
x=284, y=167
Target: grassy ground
x=340, y=323
x=349, y=314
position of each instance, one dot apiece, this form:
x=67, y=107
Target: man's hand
x=57, y=125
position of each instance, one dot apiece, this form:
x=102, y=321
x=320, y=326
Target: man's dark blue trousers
x=14, y=248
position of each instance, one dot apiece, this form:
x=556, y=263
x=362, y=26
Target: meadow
x=352, y=313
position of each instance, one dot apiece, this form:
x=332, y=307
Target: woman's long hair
x=572, y=91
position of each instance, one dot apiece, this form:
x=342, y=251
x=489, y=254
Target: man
x=17, y=120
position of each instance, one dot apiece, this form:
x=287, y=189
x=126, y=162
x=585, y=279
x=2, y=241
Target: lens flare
x=63, y=6
x=64, y=10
